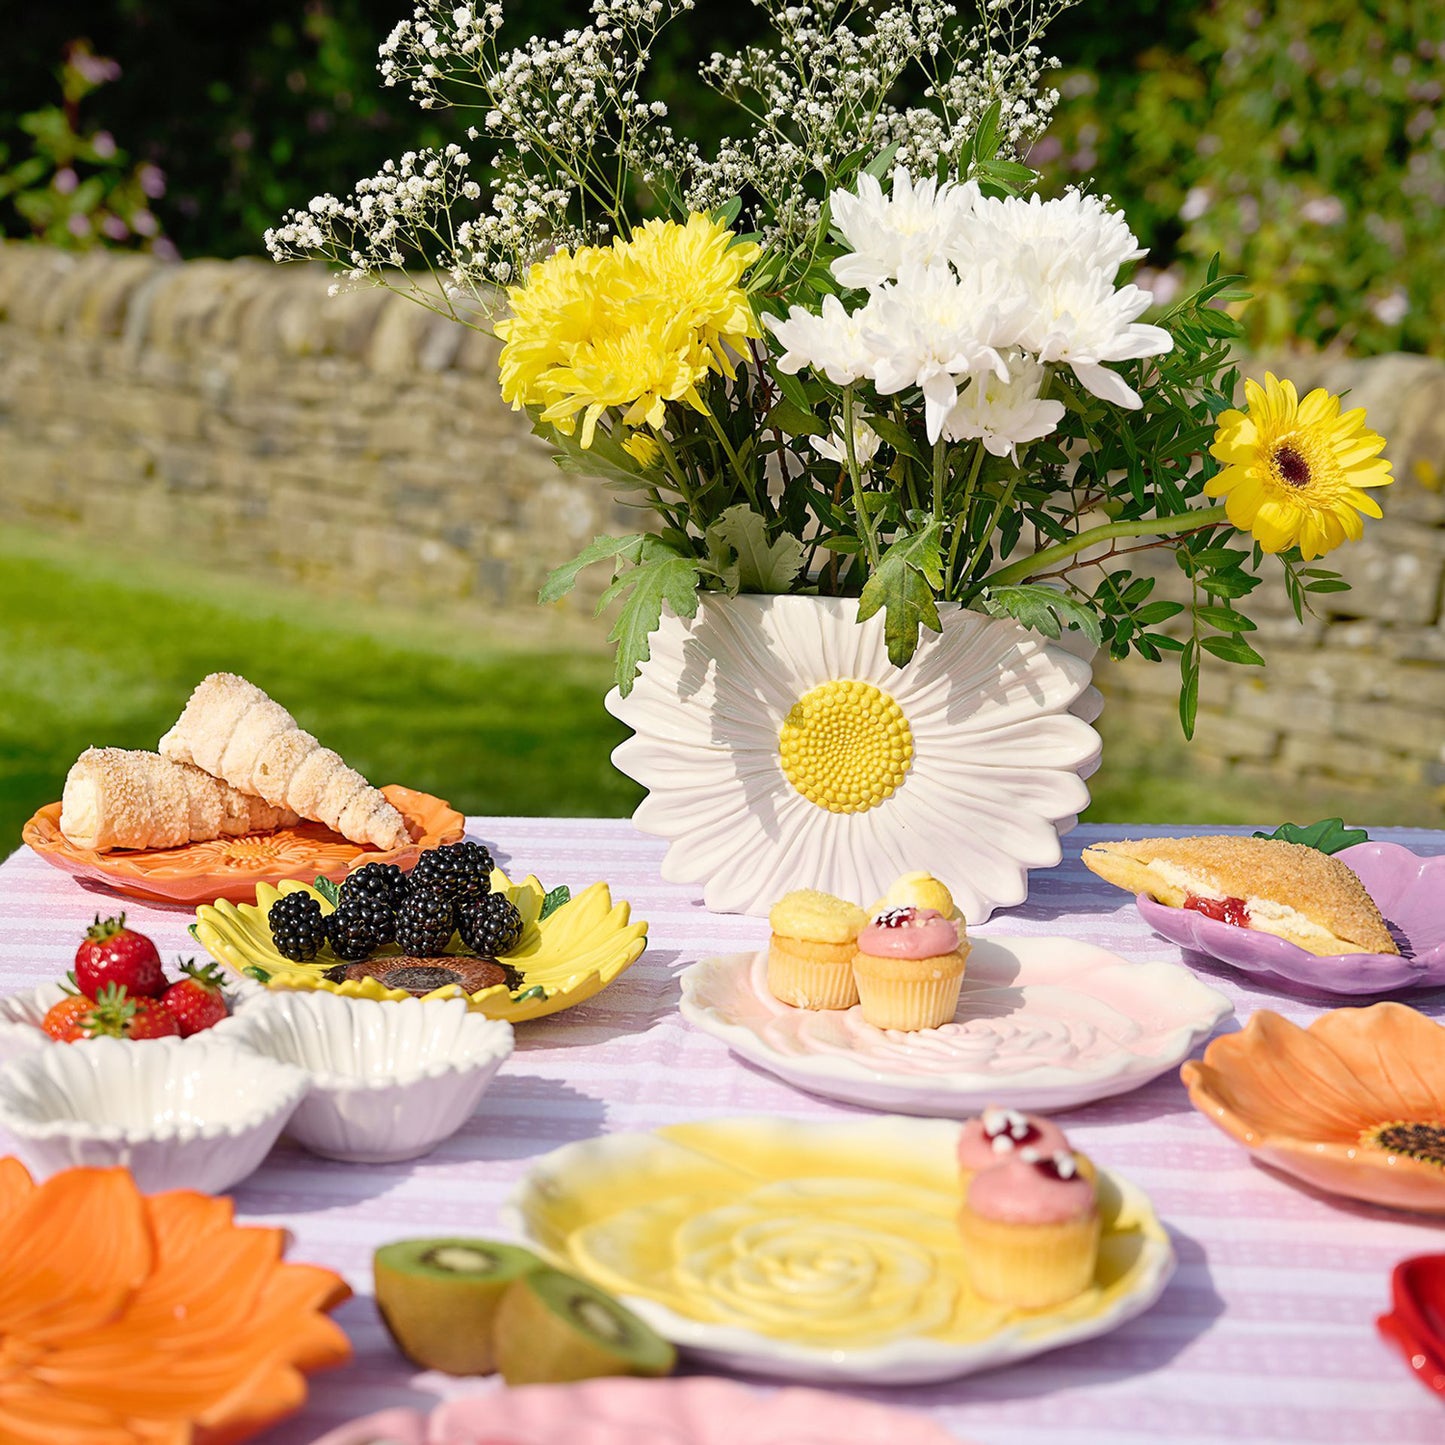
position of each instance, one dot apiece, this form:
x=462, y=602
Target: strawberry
x=196, y=1002
x=65, y=1020
x=115, y=954
x=114, y=1014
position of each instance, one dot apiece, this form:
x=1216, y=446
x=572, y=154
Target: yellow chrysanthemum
x=642, y=449
x=1296, y=471
x=630, y=327
x=637, y=369
x=694, y=272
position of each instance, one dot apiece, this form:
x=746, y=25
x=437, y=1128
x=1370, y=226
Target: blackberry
x=352, y=931
x=489, y=926
x=457, y=871
x=379, y=882
x=424, y=923
x=297, y=927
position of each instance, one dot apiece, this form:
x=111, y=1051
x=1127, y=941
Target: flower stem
x=733, y=459
x=1188, y=521
x=870, y=542
x=960, y=526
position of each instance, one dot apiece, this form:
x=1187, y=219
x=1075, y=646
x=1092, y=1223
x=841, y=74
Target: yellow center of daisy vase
x=846, y=746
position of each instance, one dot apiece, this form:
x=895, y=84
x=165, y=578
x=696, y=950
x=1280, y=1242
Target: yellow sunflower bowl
x=564, y=956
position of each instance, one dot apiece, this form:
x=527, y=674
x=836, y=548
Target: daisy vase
x=781, y=749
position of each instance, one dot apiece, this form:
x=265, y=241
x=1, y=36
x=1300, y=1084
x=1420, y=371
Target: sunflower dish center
x=1425, y=1142
x=845, y=745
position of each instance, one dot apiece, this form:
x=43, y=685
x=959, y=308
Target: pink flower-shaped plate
x=1416, y=1324
x=1042, y=1023
x=1408, y=890
x=697, y=1411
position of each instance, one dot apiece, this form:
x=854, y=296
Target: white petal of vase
x=781, y=749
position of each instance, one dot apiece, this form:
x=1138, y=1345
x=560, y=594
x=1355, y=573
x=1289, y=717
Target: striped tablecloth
x=1266, y=1332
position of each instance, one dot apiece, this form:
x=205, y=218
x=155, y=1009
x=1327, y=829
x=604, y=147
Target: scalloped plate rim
x=120, y=872
x=1055, y=1088
x=909, y=1361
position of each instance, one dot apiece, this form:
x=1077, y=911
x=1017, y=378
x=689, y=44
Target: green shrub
x=1305, y=141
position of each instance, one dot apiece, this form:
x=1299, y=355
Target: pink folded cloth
x=694, y=1411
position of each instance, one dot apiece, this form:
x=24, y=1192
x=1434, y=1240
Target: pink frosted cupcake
x=1030, y=1230
x=909, y=968
x=999, y=1133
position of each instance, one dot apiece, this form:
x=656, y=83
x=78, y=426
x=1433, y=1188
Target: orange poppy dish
x=1353, y=1105
x=150, y=1320
x=230, y=868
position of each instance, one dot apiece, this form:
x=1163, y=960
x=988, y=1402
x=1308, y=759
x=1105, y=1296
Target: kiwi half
x=439, y=1298
x=552, y=1328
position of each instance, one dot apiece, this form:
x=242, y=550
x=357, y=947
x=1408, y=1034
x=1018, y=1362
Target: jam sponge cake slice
x=1296, y=893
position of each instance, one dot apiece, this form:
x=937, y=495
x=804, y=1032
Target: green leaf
x=763, y=566
x=1225, y=619
x=878, y=166
x=661, y=576
x=897, y=437
x=727, y=213
x=1328, y=584
x=555, y=898
x=791, y=385
x=600, y=549
x=328, y=890
x=1189, y=688
x=256, y=972
x=1044, y=609
x=1233, y=649
x=794, y=421
x=903, y=588
x=1157, y=612
x=1328, y=836
x=985, y=139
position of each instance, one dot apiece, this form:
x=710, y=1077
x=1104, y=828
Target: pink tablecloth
x=1265, y=1334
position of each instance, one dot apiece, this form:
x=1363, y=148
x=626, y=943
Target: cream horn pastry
x=235, y=732
x=1309, y=898
x=117, y=798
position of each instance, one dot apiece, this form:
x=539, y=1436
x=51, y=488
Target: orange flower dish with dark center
x=1354, y=1104
x=149, y=1320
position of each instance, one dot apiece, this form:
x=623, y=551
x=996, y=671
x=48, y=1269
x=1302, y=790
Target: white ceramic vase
x=781, y=749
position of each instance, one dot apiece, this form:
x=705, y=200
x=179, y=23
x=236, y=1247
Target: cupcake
x=909, y=968
x=916, y=890
x=998, y=1133
x=1030, y=1228
x=810, y=956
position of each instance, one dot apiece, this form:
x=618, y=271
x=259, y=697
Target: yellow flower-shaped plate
x=562, y=959
x=824, y=1252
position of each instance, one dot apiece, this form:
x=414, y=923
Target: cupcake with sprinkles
x=996, y=1134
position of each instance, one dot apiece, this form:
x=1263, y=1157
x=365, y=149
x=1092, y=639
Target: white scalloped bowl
x=388, y=1081
x=22, y=1015
x=192, y=1113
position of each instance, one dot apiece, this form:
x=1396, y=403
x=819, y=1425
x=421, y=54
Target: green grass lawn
x=105, y=652
x=101, y=649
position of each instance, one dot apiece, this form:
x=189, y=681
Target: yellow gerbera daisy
x=1295, y=471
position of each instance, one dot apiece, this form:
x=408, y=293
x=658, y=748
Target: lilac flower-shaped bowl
x=1408, y=890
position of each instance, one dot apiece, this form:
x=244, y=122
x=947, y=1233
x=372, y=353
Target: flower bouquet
x=870, y=385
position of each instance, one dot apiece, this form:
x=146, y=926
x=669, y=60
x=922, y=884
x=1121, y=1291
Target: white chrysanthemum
x=1077, y=318
x=1004, y=414
x=918, y=224
x=1075, y=225
x=866, y=442
x=831, y=342
x=784, y=750
x=934, y=328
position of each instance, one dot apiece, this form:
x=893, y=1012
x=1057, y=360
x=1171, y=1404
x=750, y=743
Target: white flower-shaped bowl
x=23, y=1014
x=388, y=1081
x=178, y=1113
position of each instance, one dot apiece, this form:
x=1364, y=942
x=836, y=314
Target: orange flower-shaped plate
x=132, y=1319
x=1353, y=1105
x=231, y=868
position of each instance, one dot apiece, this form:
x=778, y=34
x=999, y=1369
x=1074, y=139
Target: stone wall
x=235, y=411
x=357, y=445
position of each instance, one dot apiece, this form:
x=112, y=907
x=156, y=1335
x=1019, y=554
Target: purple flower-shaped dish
x=1408, y=890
